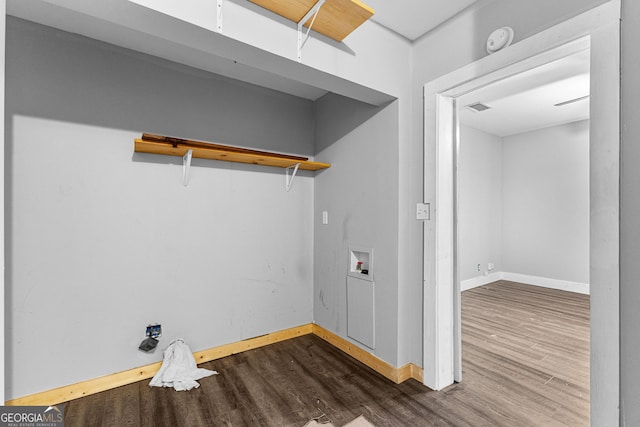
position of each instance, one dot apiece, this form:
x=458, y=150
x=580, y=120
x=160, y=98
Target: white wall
x=480, y=202
x=546, y=203
x=102, y=241
x=629, y=218
x=524, y=205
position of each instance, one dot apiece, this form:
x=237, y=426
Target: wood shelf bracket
x=186, y=166
x=290, y=173
x=302, y=36
x=219, y=9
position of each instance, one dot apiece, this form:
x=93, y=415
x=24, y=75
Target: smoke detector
x=499, y=39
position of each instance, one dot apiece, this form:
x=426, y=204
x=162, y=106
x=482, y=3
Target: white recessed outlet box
x=361, y=263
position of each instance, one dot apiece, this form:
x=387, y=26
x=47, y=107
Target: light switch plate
x=423, y=211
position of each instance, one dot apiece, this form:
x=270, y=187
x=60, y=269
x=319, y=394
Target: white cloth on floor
x=323, y=421
x=179, y=368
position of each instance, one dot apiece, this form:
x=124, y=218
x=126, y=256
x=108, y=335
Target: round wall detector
x=499, y=39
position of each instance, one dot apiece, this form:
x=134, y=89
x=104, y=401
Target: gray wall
x=480, y=202
x=545, y=211
x=524, y=203
x=102, y=241
x=629, y=217
x=359, y=192
x=3, y=15
x=466, y=34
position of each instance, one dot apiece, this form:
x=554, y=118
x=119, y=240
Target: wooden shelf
x=156, y=144
x=336, y=19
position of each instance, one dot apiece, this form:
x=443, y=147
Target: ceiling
x=529, y=101
x=413, y=18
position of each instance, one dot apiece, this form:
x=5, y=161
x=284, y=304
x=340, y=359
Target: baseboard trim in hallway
x=526, y=279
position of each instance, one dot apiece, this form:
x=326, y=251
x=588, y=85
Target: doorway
x=596, y=30
x=522, y=219
x=522, y=179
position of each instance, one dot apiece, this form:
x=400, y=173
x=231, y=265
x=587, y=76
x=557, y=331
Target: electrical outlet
x=423, y=211
x=149, y=344
x=154, y=331
x=478, y=267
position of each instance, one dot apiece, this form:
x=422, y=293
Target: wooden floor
x=525, y=363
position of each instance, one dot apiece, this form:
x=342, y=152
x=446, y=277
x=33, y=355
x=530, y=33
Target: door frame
x=598, y=30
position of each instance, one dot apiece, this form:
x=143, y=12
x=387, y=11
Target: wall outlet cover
x=423, y=211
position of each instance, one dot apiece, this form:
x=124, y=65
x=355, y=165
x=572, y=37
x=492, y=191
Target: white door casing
x=598, y=30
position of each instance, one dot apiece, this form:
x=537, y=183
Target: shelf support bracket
x=303, y=39
x=220, y=4
x=186, y=165
x=289, y=179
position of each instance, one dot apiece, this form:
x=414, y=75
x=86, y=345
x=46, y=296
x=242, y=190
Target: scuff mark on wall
x=321, y=298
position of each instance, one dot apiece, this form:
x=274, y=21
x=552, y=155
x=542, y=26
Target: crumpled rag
x=179, y=368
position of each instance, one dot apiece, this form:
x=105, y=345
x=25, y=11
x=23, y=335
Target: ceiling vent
x=478, y=107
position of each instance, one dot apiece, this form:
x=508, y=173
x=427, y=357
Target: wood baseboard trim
x=107, y=382
x=397, y=375
x=410, y=371
x=86, y=388
x=251, y=343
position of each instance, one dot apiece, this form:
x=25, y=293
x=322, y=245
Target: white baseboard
x=545, y=282
x=474, y=282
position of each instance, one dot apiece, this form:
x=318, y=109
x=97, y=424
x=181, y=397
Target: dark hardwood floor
x=525, y=363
